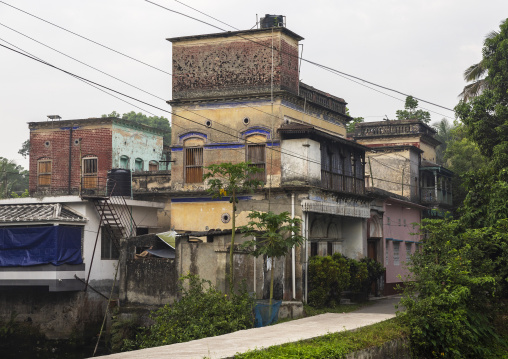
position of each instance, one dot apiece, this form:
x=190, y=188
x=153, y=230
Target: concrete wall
x=398, y=227
x=300, y=162
x=135, y=143
x=395, y=171
x=56, y=315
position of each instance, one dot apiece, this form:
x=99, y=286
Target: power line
x=85, y=38
x=102, y=88
x=222, y=22
x=81, y=62
x=330, y=69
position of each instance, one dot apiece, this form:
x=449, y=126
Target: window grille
x=90, y=172
x=44, y=173
x=256, y=156
x=194, y=165
x=408, y=251
x=396, y=254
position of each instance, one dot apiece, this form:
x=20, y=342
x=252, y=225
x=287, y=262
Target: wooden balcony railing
x=343, y=183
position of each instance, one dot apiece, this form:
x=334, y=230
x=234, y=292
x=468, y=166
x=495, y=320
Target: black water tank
x=272, y=21
x=119, y=182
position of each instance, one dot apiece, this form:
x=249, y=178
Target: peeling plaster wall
x=398, y=227
x=135, y=143
x=396, y=171
x=301, y=160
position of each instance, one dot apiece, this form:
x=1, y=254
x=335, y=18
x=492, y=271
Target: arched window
x=193, y=160
x=153, y=166
x=124, y=162
x=138, y=164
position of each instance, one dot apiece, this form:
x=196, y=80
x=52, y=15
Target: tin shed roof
x=38, y=213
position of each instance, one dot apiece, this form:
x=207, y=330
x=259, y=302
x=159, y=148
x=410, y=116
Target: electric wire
x=85, y=38
x=337, y=72
x=330, y=69
x=102, y=88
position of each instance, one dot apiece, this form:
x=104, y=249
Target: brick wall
x=234, y=66
x=53, y=144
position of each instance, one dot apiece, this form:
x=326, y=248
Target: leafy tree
x=351, y=125
x=450, y=301
x=275, y=235
x=476, y=75
x=461, y=276
x=231, y=178
x=13, y=179
x=410, y=111
x=25, y=149
x=161, y=123
x=444, y=135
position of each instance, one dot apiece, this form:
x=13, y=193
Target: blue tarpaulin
x=264, y=315
x=40, y=245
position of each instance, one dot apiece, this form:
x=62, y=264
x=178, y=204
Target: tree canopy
x=459, y=280
x=162, y=123
x=410, y=111
x=13, y=179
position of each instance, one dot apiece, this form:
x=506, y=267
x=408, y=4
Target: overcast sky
x=416, y=47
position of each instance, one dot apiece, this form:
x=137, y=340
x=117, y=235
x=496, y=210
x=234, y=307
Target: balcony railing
x=343, y=183
x=429, y=196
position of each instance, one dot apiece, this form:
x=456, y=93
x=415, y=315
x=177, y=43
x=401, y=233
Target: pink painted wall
x=398, y=222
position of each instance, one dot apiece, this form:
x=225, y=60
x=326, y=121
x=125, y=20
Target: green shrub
x=203, y=311
x=328, y=278
x=451, y=306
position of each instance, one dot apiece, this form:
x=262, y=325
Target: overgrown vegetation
x=203, y=311
x=331, y=275
x=459, y=281
x=231, y=179
x=275, y=234
x=335, y=345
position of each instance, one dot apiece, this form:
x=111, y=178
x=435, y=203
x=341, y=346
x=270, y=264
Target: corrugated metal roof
x=38, y=213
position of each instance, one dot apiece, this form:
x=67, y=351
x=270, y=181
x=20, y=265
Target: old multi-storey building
x=72, y=154
x=237, y=97
x=401, y=172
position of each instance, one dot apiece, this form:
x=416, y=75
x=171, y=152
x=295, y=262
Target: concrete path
x=225, y=346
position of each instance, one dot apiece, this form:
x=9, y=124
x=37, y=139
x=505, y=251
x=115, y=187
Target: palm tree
x=476, y=74
x=444, y=135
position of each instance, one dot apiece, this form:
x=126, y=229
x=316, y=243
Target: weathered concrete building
x=237, y=97
x=402, y=174
x=402, y=160
x=59, y=249
x=68, y=155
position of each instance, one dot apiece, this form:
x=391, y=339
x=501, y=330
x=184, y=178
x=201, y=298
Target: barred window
x=90, y=172
x=194, y=165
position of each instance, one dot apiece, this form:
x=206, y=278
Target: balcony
x=429, y=196
x=342, y=183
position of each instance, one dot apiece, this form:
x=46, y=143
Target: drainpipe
x=255, y=292
x=435, y=185
x=293, y=251
x=70, y=160
x=305, y=231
